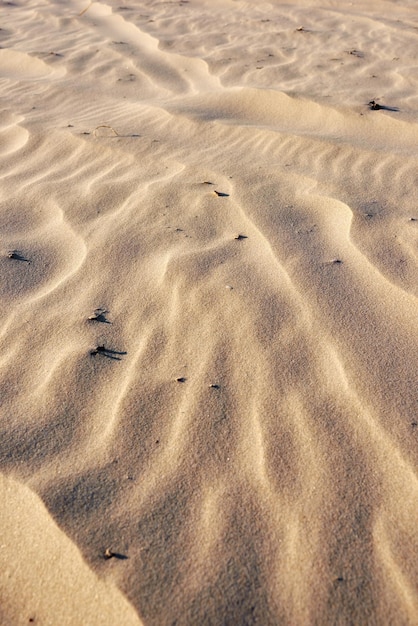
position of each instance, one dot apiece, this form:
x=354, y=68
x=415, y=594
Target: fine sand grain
x=208, y=305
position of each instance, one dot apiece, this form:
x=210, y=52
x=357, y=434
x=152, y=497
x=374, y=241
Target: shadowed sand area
x=208, y=303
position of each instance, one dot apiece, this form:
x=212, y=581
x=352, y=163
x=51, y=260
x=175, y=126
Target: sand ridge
x=208, y=353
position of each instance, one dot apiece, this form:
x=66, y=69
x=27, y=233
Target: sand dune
x=41, y=567
x=209, y=353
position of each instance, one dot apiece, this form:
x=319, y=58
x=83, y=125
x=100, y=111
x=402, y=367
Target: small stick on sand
x=99, y=315
x=16, y=256
x=115, y=355
x=84, y=10
x=98, y=349
x=108, y=554
x=105, y=126
x=334, y=262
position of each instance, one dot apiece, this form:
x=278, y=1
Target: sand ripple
x=241, y=420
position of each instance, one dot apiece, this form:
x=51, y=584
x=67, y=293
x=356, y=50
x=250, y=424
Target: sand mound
x=208, y=350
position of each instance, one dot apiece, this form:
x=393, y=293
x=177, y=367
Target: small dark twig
x=355, y=53
x=109, y=554
x=99, y=315
x=375, y=106
x=97, y=350
x=16, y=256
x=107, y=352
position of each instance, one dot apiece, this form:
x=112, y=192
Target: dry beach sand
x=236, y=424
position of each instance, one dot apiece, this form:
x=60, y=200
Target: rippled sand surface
x=208, y=305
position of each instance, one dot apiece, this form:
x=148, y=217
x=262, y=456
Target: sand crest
x=208, y=345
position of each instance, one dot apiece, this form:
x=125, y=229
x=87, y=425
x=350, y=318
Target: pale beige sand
x=276, y=482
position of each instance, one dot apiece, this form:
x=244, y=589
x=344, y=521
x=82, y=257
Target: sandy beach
x=208, y=306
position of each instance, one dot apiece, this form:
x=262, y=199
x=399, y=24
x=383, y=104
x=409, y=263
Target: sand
x=209, y=347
